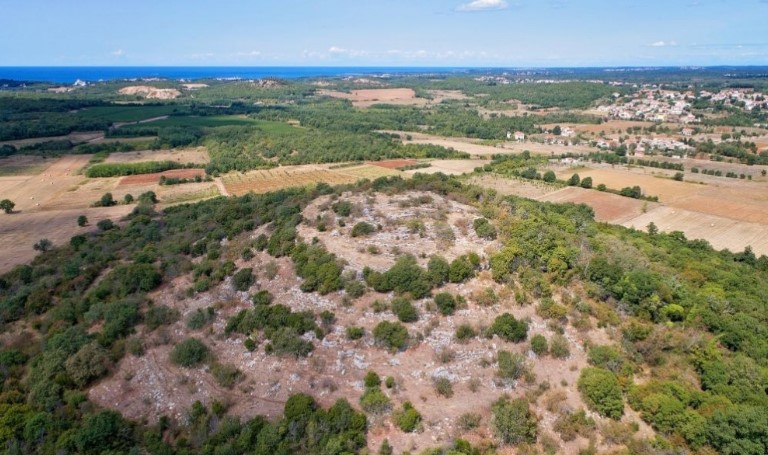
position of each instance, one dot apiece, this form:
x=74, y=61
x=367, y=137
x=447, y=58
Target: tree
x=82, y=220
x=7, y=205
x=513, y=421
x=509, y=328
x=128, y=198
x=652, y=229
x=557, y=131
x=586, y=182
x=105, y=224
x=601, y=391
x=679, y=176
x=574, y=180
x=106, y=200
x=43, y=245
x=243, y=279
x=189, y=353
x=446, y=303
x=549, y=176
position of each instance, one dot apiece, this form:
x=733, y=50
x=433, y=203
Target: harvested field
x=608, y=207
x=17, y=165
x=393, y=164
x=283, y=177
x=719, y=231
x=473, y=147
x=367, y=171
x=189, y=192
x=369, y=97
x=197, y=156
x=449, y=167
x=666, y=189
x=76, y=137
x=33, y=191
x=513, y=186
x=144, y=179
x=19, y=231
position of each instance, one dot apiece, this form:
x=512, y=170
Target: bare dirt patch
x=143, y=179
x=151, y=92
x=393, y=164
x=197, y=156
x=513, y=186
x=449, y=167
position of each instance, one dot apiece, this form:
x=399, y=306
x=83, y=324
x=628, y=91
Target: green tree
x=513, y=422
x=243, y=279
x=574, y=180
x=509, y=328
x=445, y=303
x=586, y=182
x=539, y=344
x=601, y=391
x=43, y=245
x=89, y=363
x=189, y=353
x=7, y=205
x=392, y=335
x=107, y=200
x=549, y=176
x=82, y=220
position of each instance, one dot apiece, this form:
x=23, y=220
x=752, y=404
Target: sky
x=463, y=33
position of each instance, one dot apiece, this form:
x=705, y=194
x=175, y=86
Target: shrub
x=443, y=386
x=601, y=391
x=285, y=341
x=586, y=182
x=549, y=177
x=250, y=344
x=355, y=333
x=539, y=345
x=105, y=225
x=509, y=328
x=106, y=200
x=464, y=332
x=446, y=303
x=484, y=229
x=404, y=310
x=389, y=382
x=199, y=318
x=570, y=425
x=391, y=335
x=461, y=269
x=559, y=347
x=189, y=353
x=438, y=270
x=407, y=419
x=89, y=363
x=362, y=229
x=468, y=421
x=512, y=365
x=7, y=205
x=574, y=180
x=243, y=279
x=262, y=297
x=374, y=401
x=158, y=315
x=82, y=220
x=372, y=379
x=226, y=375
x=513, y=422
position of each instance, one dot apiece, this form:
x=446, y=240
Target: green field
x=127, y=113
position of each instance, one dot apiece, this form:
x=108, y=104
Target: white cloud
x=483, y=5
x=664, y=44
x=118, y=53
x=342, y=52
x=249, y=54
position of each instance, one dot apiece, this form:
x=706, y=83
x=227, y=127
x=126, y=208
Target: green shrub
x=468, y=421
x=539, y=345
x=189, y=353
x=508, y=328
x=374, y=401
x=199, y=318
x=407, y=419
x=484, y=229
x=601, y=391
x=226, y=375
x=445, y=303
x=243, y=279
x=559, y=347
x=262, y=297
x=355, y=333
x=158, y=315
x=443, y=386
x=404, y=310
x=342, y=208
x=89, y=363
x=465, y=332
x=285, y=341
x=513, y=422
x=362, y=229
x=391, y=335
x=438, y=270
x=372, y=379
x=573, y=424
x=512, y=365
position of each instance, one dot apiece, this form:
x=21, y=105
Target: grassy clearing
x=127, y=113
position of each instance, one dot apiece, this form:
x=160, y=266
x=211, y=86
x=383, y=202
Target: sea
x=70, y=74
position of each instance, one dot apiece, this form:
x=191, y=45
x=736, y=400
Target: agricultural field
x=197, y=156
x=476, y=149
x=282, y=177
x=127, y=113
x=368, y=97
x=450, y=167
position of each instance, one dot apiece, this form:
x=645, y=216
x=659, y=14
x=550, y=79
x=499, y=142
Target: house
x=519, y=136
x=687, y=132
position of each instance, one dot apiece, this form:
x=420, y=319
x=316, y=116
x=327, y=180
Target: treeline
x=144, y=167
x=745, y=152
x=613, y=158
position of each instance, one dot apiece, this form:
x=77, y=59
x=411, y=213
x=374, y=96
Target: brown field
x=531, y=189
x=450, y=167
x=143, y=179
x=369, y=97
x=19, y=231
x=197, y=156
x=367, y=171
x=392, y=164
x=283, y=177
x=610, y=125
x=23, y=165
x=476, y=149
x=608, y=207
x=729, y=213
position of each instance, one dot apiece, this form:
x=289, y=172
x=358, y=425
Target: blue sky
x=506, y=33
